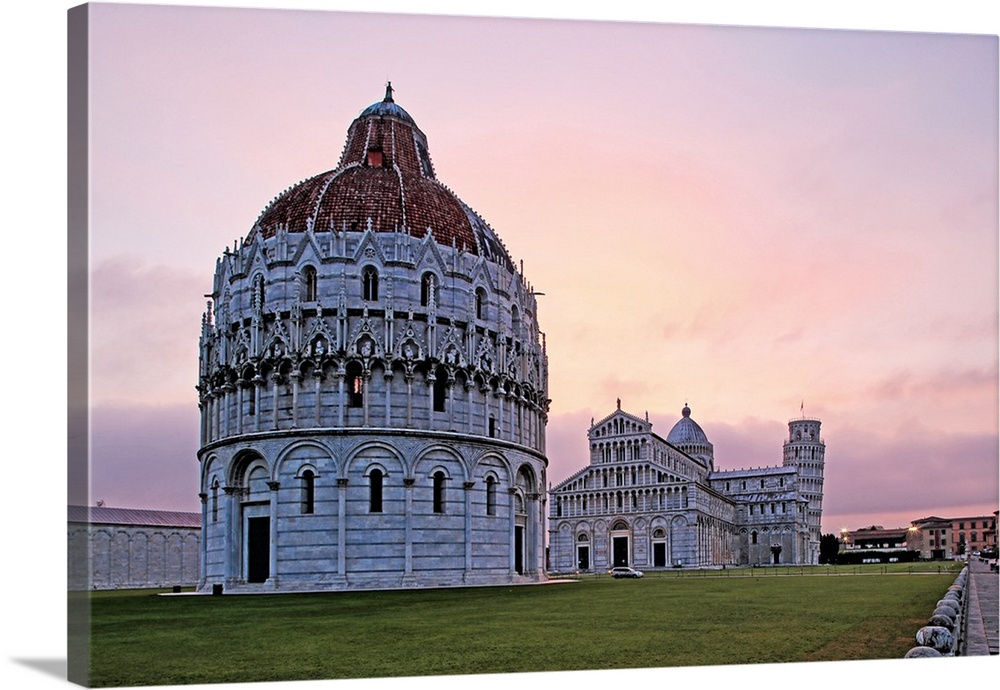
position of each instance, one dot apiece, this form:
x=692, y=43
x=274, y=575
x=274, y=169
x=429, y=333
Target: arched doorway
x=583, y=552
x=620, y=544
x=659, y=548
x=251, y=481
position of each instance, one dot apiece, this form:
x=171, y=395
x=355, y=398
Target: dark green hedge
x=857, y=557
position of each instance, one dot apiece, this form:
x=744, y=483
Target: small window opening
x=439, y=492
x=491, y=496
x=308, y=492
x=375, y=491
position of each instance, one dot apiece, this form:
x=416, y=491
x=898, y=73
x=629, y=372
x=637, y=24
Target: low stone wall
x=944, y=633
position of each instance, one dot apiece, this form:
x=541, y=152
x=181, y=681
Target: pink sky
x=902, y=337
x=742, y=219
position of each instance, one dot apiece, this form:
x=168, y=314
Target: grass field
x=665, y=619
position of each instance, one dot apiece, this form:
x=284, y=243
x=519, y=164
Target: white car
x=625, y=571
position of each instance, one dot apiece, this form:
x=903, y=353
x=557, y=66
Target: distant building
x=652, y=502
x=972, y=534
x=124, y=548
x=875, y=539
x=932, y=537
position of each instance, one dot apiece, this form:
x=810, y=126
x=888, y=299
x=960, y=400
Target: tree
x=829, y=546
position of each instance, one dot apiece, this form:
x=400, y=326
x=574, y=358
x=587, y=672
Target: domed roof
x=385, y=176
x=686, y=431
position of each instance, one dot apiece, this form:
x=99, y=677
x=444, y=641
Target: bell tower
x=805, y=451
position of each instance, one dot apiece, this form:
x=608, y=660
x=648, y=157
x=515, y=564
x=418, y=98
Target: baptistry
x=372, y=386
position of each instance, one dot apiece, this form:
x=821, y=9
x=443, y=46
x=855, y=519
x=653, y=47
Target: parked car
x=624, y=571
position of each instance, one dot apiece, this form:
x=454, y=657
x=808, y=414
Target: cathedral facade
x=372, y=386
x=654, y=503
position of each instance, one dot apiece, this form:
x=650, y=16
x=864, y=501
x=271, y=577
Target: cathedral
x=651, y=503
x=372, y=386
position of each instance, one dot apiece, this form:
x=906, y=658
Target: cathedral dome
x=385, y=177
x=686, y=431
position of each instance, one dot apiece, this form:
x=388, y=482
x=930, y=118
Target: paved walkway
x=984, y=610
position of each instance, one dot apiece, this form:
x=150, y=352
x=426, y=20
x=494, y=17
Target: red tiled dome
x=385, y=175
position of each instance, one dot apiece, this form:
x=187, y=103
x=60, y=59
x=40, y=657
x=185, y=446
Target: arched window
x=428, y=286
x=215, y=500
x=439, y=492
x=515, y=321
x=369, y=284
x=440, y=388
x=491, y=496
x=309, y=282
x=308, y=492
x=375, y=491
x=355, y=385
x=753, y=537
x=481, y=303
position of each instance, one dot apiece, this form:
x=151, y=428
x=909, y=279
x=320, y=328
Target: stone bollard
x=946, y=610
x=918, y=652
x=935, y=637
x=942, y=621
x=942, y=636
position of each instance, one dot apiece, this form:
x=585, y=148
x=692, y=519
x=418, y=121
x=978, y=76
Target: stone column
x=318, y=375
x=258, y=380
x=227, y=396
x=272, y=580
x=231, y=530
x=533, y=510
x=468, y=486
x=409, y=399
x=240, y=392
x=387, y=381
x=408, y=483
x=451, y=403
x=202, y=574
x=275, y=378
x=340, y=398
x=469, y=387
x=296, y=376
x=512, y=493
x=342, y=527
x=366, y=377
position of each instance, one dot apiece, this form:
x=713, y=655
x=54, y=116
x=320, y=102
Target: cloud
x=143, y=456
x=145, y=322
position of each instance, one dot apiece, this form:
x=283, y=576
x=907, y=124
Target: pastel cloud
x=145, y=323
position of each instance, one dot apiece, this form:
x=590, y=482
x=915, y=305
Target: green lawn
x=665, y=619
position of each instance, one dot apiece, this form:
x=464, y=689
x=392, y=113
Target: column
x=203, y=546
x=512, y=493
x=342, y=527
x=240, y=392
x=408, y=483
x=468, y=486
x=366, y=377
x=273, y=525
x=340, y=398
x=318, y=375
x=469, y=387
x=296, y=376
x=409, y=399
x=257, y=381
x=275, y=378
x=387, y=380
x=231, y=559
